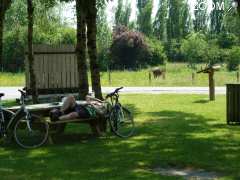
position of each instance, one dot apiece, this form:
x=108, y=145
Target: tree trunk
x=4, y=5
x=1, y=38
x=81, y=49
x=33, y=87
x=92, y=49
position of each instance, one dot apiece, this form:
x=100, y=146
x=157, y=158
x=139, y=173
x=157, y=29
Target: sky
x=69, y=11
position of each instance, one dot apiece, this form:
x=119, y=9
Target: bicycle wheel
x=30, y=134
x=121, y=122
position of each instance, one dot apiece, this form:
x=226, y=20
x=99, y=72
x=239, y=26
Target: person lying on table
x=71, y=110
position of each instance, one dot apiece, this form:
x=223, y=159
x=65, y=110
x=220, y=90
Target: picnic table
x=97, y=124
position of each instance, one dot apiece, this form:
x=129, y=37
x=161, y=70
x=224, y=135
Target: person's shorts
x=82, y=111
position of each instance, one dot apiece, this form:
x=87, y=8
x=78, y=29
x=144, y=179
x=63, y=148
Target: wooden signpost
x=210, y=71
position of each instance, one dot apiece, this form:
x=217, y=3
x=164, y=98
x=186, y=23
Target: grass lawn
x=171, y=130
x=177, y=75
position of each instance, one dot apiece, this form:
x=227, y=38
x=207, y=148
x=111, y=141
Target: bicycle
x=120, y=118
x=28, y=130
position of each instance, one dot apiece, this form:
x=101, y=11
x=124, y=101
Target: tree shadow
x=166, y=138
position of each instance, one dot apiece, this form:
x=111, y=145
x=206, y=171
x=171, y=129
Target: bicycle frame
x=15, y=116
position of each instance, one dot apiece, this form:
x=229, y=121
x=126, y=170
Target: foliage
x=194, y=49
x=178, y=19
x=213, y=53
x=123, y=13
x=13, y=51
x=156, y=50
x=232, y=23
x=216, y=18
x=233, y=59
x=104, y=39
x=160, y=21
x=201, y=18
x=173, y=50
x=129, y=49
x=227, y=40
x=48, y=29
x=144, y=20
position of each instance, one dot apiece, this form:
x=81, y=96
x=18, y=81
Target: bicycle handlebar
x=22, y=93
x=113, y=93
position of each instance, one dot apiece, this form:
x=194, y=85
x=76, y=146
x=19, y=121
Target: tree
x=123, y=13
x=144, y=20
x=92, y=48
x=174, y=19
x=194, y=49
x=86, y=33
x=160, y=22
x=216, y=18
x=81, y=9
x=4, y=5
x=30, y=10
x=131, y=49
x=201, y=18
x=231, y=23
x=185, y=20
x=104, y=38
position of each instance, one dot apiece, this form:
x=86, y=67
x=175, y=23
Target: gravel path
x=12, y=93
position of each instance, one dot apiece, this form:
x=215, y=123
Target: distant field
x=178, y=74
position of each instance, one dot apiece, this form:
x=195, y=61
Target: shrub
x=156, y=52
x=194, y=49
x=174, y=53
x=233, y=57
x=129, y=49
x=227, y=40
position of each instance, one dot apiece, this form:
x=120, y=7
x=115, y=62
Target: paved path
x=12, y=93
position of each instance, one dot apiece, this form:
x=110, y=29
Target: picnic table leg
x=103, y=124
x=96, y=128
x=50, y=140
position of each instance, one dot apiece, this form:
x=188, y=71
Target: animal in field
x=157, y=72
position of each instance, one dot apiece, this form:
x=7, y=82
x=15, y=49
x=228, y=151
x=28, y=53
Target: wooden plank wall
x=55, y=67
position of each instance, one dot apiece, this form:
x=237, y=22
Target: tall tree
x=201, y=17
x=160, y=22
x=216, y=18
x=123, y=13
x=174, y=19
x=104, y=38
x=92, y=48
x=185, y=19
x=33, y=87
x=4, y=5
x=81, y=11
x=144, y=20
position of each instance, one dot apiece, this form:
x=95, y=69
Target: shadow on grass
x=201, y=101
x=166, y=138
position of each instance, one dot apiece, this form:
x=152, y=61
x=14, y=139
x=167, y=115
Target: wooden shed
x=55, y=68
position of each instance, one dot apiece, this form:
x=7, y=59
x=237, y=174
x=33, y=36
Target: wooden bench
x=98, y=124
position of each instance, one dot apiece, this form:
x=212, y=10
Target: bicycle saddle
x=2, y=94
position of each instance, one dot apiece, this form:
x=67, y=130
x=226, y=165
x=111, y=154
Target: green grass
x=184, y=131
x=12, y=79
x=177, y=75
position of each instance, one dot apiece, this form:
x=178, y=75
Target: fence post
x=149, y=77
x=211, y=85
x=109, y=76
x=238, y=76
x=193, y=77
